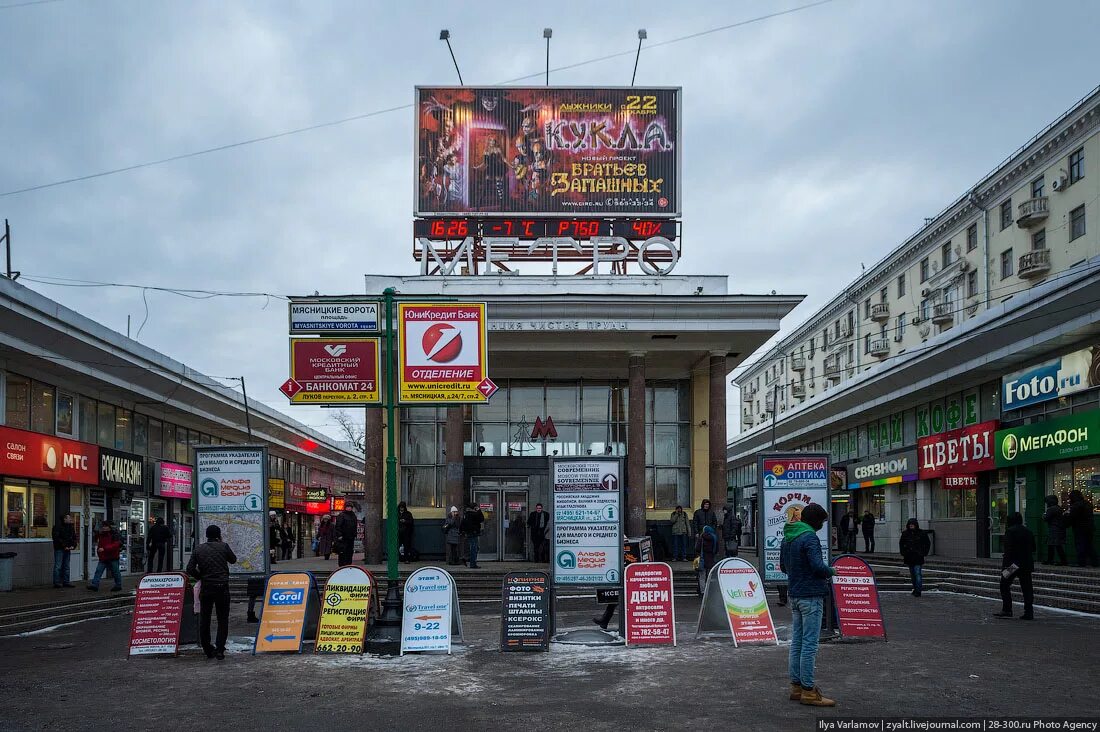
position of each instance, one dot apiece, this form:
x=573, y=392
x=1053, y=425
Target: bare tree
x=351, y=430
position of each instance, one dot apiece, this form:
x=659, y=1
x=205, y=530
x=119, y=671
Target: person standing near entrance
x=64, y=541
x=472, y=522
x=288, y=539
x=731, y=531
x=108, y=550
x=808, y=584
x=324, y=537
x=344, y=543
x=1017, y=562
x=1080, y=519
x=406, y=531
x=274, y=537
x=914, y=547
x=703, y=517
x=210, y=565
x=681, y=528
x=706, y=545
x=156, y=545
x=868, y=527
x=1055, y=519
x=452, y=536
x=849, y=526
x=537, y=523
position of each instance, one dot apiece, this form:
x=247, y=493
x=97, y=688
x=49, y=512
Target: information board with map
x=246, y=535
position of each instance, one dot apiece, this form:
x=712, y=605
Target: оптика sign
x=1077, y=435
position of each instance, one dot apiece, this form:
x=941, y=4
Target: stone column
x=635, y=451
x=454, y=490
x=716, y=425
x=374, y=486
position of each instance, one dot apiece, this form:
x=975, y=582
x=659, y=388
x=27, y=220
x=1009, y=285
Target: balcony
x=798, y=363
x=798, y=390
x=1035, y=263
x=1032, y=212
x=943, y=313
x=747, y=419
x=832, y=369
x=880, y=312
x=879, y=348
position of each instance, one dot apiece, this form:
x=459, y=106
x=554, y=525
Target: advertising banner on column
x=650, y=604
x=855, y=596
x=525, y=612
x=587, y=514
x=431, y=613
x=443, y=353
x=345, y=609
x=789, y=483
x=282, y=624
x=158, y=611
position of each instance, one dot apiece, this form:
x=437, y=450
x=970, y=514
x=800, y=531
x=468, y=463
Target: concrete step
x=29, y=618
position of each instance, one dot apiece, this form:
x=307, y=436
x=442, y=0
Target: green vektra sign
x=1064, y=438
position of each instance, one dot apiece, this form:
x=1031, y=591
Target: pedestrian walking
x=1080, y=520
x=914, y=547
x=707, y=547
x=808, y=585
x=108, y=549
x=731, y=531
x=681, y=529
x=1055, y=519
x=156, y=545
x=275, y=537
x=849, y=527
x=288, y=539
x=537, y=523
x=868, y=527
x=210, y=565
x=64, y=541
x=406, y=531
x=1017, y=562
x=343, y=541
x=703, y=516
x=452, y=536
x=324, y=537
x=472, y=521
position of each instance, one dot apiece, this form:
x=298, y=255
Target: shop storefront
x=173, y=485
x=306, y=506
x=43, y=477
x=1052, y=457
x=886, y=487
x=122, y=475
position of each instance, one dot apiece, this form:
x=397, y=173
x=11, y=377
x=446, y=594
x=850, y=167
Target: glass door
x=515, y=525
x=1000, y=505
x=489, y=503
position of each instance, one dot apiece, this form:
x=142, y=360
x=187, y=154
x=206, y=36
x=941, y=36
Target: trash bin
x=7, y=566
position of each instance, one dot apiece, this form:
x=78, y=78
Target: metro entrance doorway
x=503, y=500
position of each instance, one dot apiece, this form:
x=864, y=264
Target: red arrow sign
x=428, y=617
x=290, y=387
x=487, y=387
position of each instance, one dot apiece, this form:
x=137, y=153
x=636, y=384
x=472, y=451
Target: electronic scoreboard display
x=529, y=228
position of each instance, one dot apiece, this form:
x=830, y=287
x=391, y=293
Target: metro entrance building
x=629, y=366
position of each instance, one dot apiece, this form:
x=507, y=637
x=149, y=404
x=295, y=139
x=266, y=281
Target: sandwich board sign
x=734, y=601
x=288, y=597
x=158, y=613
x=855, y=596
x=345, y=609
x=431, y=617
x=650, y=613
x=526, y=612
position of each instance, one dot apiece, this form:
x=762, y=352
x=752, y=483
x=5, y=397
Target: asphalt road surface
x=946, y=656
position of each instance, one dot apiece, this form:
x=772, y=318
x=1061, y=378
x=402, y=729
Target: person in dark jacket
x=1055, y=519
x=210, y=565
x=848, y=530
x=324, y=537
x=470, y=527
x=1080, y=520
x=801, y=558
x=703, y=516
x=731, y=531
x=707, y=547
x=452, y=536
x=1017, y=562
x=108, y=550
x=868, y=527
x=64, y=541
x=344, y=536
x=156, y=544
x=406, y=532
x=537, y=523
x=275, y=537
x=288, y=538
x=914, y=547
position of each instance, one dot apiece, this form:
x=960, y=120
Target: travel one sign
x=1077, y=435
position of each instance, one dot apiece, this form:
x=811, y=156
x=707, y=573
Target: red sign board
x=960, y=481
x=965, y=450
x=650, y=615
x=33, y=455
x=855, y=595
x=333, y=371
x=297, y=499
x=158, y=610
x=443, y=354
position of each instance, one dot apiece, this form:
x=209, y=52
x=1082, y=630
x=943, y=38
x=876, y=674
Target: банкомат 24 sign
x=548, y=150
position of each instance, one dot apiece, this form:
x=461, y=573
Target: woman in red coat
x=108, y=549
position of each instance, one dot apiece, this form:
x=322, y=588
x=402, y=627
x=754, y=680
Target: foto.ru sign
x=1059, y=377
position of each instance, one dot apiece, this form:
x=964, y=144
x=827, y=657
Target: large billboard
x=548, y=150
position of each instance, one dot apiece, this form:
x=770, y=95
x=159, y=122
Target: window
x=105, y=425
x=971, y=237
x=43, y=408
x=867, y=343
x=882, y=295
x=901, y=285
x=1006, y=214
x=17, y=411
x=924, y=270
x=1037, y=186
x=947, y=255
x=851, y=322
x=972, y=283
x=87, y=420
x=953, y=503
x=141, y=434
x=837, y=327
x=851, y=354
x=813, y=347
x=899, y=327
x=1006, y=264
x=28, y=511
x=867, y=308
x=825, y=338
x=1077, y=165
x=924, y=309
x=1077, y=223
x=1039, y=239
x=156, y=439
x=66, y=412
x=1074, y=475
x=123, y=433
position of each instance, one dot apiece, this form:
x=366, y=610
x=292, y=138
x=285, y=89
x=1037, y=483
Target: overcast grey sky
x=812, y=141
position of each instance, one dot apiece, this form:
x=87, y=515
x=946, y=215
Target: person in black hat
x=210, y=565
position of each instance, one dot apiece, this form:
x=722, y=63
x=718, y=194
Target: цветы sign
x=965, y=450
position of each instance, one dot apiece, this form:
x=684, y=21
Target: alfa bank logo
x=336, y=349
x=442, y=343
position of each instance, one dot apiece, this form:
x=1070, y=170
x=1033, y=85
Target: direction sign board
x=230, y=479
x=345, y=607
x=158, y=612
x=443, y=353
x=334, y=371
x=650, y=615
x=286, y=599
x=525, y=612
x=431, y=611
x=788, y=483
x=587, y=515
x=332, y=315
x=855, y=595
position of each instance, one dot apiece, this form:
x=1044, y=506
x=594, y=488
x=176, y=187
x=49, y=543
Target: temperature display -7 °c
x=449, y=229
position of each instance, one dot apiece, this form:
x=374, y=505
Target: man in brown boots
x=808, y=576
